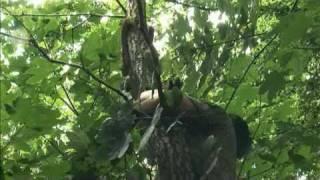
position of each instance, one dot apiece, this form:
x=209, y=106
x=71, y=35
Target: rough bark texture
x=202, y=147
x=140, y=59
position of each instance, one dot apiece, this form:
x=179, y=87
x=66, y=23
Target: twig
x=93, y=103
x=69, y=99
x=262, y=172
x=307, y=48
x=238, y=39
x=14, y=37
x=254, y=60
x=54, y=145
x=193, y=5
x=259, y=124
x=67, y=104
x=122, y=7
x=253, y=136
x=247, y=70
x=65, y=15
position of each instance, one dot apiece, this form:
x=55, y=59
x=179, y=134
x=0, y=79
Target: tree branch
x=193, y=5
x=260, y=105
x=69, y=99
x=295, y=4
x=122, y=7
x=35, y=44
x=154, y=54
x=307, y=48
x=253, y=61
x=67, y=104
x=14, y=37
x=55, y=146
x=63, y=15
x=238, y=39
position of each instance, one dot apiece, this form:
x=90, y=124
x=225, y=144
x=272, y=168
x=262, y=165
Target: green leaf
x=311, y=140
x=52, y=25
x=273, y=83
x=247, y=92
x=191, y=83
x=238, y=65
x=299, y=160
x=304, y=151
x=78, y=140
x=285, y=110
x=268, y=157
x=40, y=70
x=294, y=60
x=34, y=115
x=81, y=89
x=200, y=18
x=92, y=46
x=293, y=27
x=207, y=65
x=55, y=169
x=182, y=25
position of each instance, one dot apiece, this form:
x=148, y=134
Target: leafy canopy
x=61, y=69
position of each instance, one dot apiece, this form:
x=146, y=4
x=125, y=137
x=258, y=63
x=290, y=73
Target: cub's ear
x=242, y=132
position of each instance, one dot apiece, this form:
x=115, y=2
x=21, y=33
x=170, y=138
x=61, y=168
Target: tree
x=61, y=78
x=204, y=145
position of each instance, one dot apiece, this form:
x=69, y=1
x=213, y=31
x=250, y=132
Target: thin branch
x=54, y=145
x=67, y=104
x=77, y=25
x=262, y=172
x=307, y=48
x=14, y=37
x=253, y=61
x=295, y=4
x=66, y=15
x=260, y=108
x=238, y=39
x=193, y=5
x=93, y=103
x=122, y=7
x=69, y=99
x=254, y=134
x=49, y=59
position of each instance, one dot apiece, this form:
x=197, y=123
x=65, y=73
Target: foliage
x=61, y=71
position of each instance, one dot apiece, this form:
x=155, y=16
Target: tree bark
x=202, y=147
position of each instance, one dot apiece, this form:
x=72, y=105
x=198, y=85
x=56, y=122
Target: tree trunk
x=202, y=147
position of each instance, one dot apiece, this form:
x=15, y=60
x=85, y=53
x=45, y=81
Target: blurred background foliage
x=61, y=64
